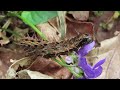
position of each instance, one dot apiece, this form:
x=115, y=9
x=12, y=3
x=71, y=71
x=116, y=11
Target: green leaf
x=25, y=20
x=98, y=13
x=116, y=14
x=37, y=17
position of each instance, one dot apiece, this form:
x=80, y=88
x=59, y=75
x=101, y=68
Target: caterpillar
x=54, y=49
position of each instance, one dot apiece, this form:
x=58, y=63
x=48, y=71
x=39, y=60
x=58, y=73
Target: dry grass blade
x=62, y=23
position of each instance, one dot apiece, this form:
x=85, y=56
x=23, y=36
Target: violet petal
x=82, y=62
x=89, y=72
x=98, y=71
x=86, y=49
x=99, y=63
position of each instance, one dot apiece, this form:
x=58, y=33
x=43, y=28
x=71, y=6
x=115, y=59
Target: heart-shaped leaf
x=37, y=17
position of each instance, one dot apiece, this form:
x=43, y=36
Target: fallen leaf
x=51, y=68
x=20, y=32
x=50, y=32
x=5, y=57
x=18, y=65
x=3, y=39
x=80, y=15
x=3, y=69
x=109, y=49
x=27, y=74
x=74, y=28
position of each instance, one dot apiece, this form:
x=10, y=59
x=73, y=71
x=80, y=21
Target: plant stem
x=5, y=26
x=31, y=25
x=69, y=68
x=12, y=32
x=62, y=64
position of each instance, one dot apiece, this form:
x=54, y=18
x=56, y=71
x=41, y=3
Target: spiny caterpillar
x=54, y=49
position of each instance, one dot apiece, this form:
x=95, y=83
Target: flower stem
x=64, y=64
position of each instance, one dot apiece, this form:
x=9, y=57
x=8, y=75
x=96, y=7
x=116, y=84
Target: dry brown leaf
x=51, y=68
x=74, y=28
x=6, y=55
x=4, y=40
x=27, y=74
x=50, y=32
x=80, y=15
x=18, y=70
x=3, y=69
x=21, y=32
x=19, y=64
x=109, y=49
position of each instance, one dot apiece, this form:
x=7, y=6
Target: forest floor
x=100, y=25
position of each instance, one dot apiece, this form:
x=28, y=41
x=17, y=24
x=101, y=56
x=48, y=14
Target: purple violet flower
x=86, y=49
x=89, y=71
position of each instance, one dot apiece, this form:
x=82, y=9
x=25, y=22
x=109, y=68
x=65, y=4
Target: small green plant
x=108, y=25
x=33, y=18
x=98, y=13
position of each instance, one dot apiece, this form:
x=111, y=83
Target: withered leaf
x=109, y=49
x=80, y=15
x=27, y=74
